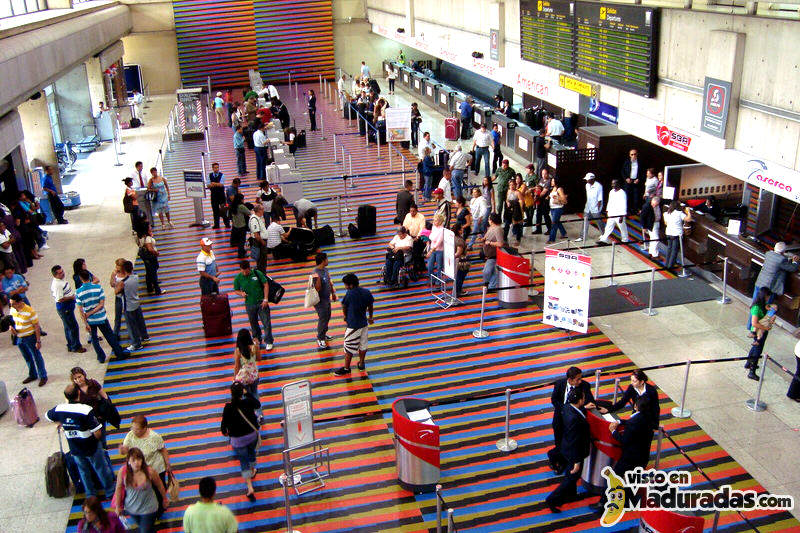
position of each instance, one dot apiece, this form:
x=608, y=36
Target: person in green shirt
x=252, y=285
x=501, y=178
x=208, y=516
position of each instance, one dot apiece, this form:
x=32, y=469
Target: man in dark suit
x=639, y=388
x=574, y=449
x=632, y=174
x=404, y=200
x=636, y=437
x=561, y=388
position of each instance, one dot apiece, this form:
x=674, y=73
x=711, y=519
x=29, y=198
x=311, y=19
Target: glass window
x=12, y=8
x=5, y=8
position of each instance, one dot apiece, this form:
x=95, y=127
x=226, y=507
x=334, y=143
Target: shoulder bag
x=312, y=296
x=258, y=439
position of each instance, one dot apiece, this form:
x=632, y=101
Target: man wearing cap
x=29, y=338
x=207, y=268
x=458, y=168
x=219, y=110
x=501, y=178
x=594, y=205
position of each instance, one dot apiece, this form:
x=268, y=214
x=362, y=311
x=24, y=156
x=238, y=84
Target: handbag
x=150, y=195
x=107, y=411
x=173, y=489
x=258, y=439
x=312, y=296
x=127, y=203
x=275, y=291
x=121, y=491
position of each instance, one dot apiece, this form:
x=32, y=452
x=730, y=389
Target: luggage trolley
x=439, y=281
x=306, y=461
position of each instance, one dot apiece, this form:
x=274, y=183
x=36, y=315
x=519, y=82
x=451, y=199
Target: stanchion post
x=611, y=281
x=659, y=444
x=320, y=83
x=339, y=213
x=378, y=141
x=715, y=524
x=755, y=404
x=683, y=273
x=390, y=161
x=288, y=504
x=169, y=141
x=208, y=147
x=296, y=92
x=650, y=311
x=585, y=228
x=322, y=126
x=350, y=165
x=116, y=151
x=290, y=82
x=724, y=299
x=681, y=411
x=451, y=526
x=335, y=154
x=507, y=444
x=616, y=389
x=342, y=155
x=438, y=509
x=597, y=382
x=481, y=333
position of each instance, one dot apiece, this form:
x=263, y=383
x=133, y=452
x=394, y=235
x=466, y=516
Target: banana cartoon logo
x=615, y=493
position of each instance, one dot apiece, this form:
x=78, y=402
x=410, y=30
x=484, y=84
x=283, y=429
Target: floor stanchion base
x=203, y=224
x=532, y=292
x=723, y=301
x=753, y=405
x=480, y=333
x=612, y=283
x=677, y=412
x=506, y=445
x=650, y=312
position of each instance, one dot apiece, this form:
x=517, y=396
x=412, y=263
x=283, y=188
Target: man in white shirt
x=305, y=212
x=260, y=141
x=617, y=210
x=399, y=247
x=64, y=296
x=425, y=143
x=594, y=205
x=137, y=99
x=365, y=73
x=138, y=179
x=258, y=233
x=458, y=167
x=481, y=142
x=555, y=129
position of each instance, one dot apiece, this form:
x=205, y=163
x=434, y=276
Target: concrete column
x=724, y=62
x=410, y=25
x=39, y=147
x=94, y=76
x=498, y=21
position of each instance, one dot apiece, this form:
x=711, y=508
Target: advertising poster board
x=194, y=184
x=566, y=290
x=398, y=124
x=450, y=254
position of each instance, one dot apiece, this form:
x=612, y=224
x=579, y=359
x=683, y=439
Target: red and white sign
x=716, y=100
x=673, y=139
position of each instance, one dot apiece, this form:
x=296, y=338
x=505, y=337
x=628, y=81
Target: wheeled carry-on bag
x=216, y=311
x=366, y=219
x=24, y=408
x=451, y=128
x=324, y=236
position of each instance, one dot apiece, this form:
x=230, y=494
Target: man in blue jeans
x=253, y=286
x=481, y=143
x=129, y=289
x=83, y=431
x=29, y=339
x=64, y=296
x=91, y=302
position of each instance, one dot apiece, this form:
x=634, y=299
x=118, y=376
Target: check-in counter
x=482, y=114
x=707, y=241
x=430, y=91
x=387, y=67
x=523, y=143
x=446, y=99
x=458, y=99
x=418, y=83
x=406, y=77
x=506, y=126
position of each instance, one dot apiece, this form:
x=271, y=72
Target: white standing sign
x=398, y=124
x=194, y=184
x=298, y=413
x=450, y=254
x=566, y=290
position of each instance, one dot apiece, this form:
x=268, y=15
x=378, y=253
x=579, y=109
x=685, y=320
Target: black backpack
x=353, y=231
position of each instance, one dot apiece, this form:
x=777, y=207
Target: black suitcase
x=135, y=123
x=352, y=231
x=442, y=158
x=473, y=161
x=366, y=220
x=300, y=139
x=324, y=236
x=303, y=242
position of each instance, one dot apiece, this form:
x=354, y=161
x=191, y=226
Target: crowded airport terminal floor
x=337, y=266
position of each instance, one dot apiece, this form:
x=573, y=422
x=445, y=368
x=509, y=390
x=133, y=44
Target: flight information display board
x=616, y=45
x=547, y=32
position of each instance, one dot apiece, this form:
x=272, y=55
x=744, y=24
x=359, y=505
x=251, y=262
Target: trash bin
x=663, y=521
x=416, y=443
x=513, y=271
x=604, y=451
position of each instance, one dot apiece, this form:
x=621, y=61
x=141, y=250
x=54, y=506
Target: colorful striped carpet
x=180, y=381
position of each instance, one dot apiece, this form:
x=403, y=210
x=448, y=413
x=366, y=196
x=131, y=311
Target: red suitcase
x=451, y=128
x=216, y=315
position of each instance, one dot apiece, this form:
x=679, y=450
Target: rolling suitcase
x=324, y=236
x=3, y=398
x=366, y=219
x=216, y=313
x=442, y=158
x=56, y=480
x=473, y=162
x=451, y=128
x=24, y=408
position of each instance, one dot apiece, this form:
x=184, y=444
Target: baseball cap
x=438, y=191
x=206, y=241
x=505, y=161
x=589, y=176
x=530, y=167
x=219, y=94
